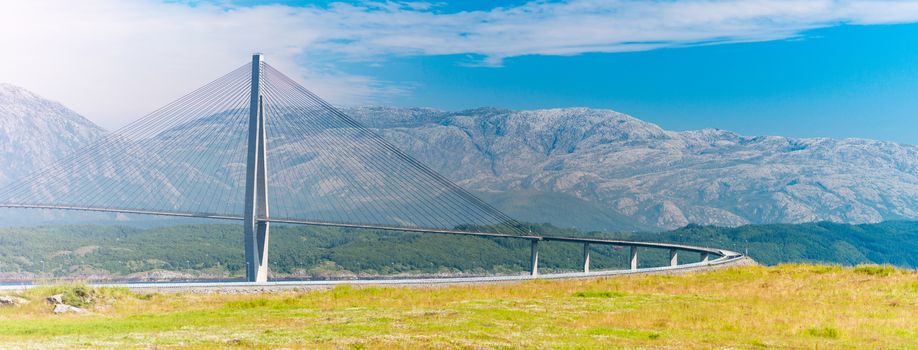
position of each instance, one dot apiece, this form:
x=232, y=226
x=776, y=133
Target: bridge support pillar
x=534, y=257
x=257, y=228
x=263, y=234
x=705, y=257
x=673, y=257
x=586, y=258
x=633, y=258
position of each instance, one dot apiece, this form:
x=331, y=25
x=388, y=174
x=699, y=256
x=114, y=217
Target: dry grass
x=790, y=306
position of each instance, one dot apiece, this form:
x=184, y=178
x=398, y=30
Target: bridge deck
x=232, y=287
x=719, y=252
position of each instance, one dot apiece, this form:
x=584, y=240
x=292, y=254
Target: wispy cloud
x=113, y=60
x=579, y=26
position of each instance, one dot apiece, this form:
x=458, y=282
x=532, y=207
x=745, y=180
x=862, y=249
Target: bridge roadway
x=723, y=257
x=247, y=287
x=714, y=251
x=244, y=287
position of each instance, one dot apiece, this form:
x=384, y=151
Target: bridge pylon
x=255, y=217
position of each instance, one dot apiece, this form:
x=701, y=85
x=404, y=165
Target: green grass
x=80, y=295
x=787, y=306
x=600, y=294
x=824, y=332
x=875, y=270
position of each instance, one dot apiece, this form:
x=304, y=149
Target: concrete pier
x=534, y=258
x=633, y=258
x=586, y=257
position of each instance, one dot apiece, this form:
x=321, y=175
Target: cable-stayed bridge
x=257, y=147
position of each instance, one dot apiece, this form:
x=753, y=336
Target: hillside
x=35, y=131
x=575, y=167
x=627, y=174
x=824, y=307
x=892, y=242
x=215, y=251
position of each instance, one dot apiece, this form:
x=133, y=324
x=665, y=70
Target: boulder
x=6, y=300
x=56, y=299
x=64, y=308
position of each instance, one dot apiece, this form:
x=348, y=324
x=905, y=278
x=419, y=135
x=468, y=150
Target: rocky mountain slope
x=578, y=167
x=577, y=160
x=35, y=131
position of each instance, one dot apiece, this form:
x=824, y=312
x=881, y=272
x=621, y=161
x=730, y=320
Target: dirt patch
x=82, y=251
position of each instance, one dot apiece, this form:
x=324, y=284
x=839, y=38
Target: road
x=251, y=287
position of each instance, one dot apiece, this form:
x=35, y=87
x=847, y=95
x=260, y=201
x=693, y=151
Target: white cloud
x=113, y=60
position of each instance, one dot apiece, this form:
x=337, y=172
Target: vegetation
x=81, y=295
x=787, y=306
x=892, y=242
x=215, y=250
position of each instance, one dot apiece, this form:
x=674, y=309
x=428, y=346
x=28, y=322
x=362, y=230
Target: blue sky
x=846, y=81
x=819, y=68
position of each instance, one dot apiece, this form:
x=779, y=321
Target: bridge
x=256, y=147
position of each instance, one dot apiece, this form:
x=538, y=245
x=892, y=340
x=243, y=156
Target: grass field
x=788, y=306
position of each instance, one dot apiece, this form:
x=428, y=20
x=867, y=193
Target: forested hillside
x=891, y=242
x=215, y=250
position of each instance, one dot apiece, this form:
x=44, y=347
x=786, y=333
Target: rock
x=161, y=275
x=64, y=308
x=56, y=299
x=6, y=300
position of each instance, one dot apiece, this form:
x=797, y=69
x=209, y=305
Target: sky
x=757, y=67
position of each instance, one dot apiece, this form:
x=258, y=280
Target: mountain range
x=585, y=168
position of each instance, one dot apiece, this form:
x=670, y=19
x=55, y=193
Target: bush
x=824, y=332
x=604, y=294
x=81, y=295
x=875, y=270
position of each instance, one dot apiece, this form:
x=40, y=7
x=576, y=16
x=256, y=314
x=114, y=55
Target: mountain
x=35, y=131
x=625, y=173
x=574, y=167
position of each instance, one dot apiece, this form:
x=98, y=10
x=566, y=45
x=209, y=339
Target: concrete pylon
x=534, y=257
x=586, y=258
x=257, y=228
x=634, y=262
